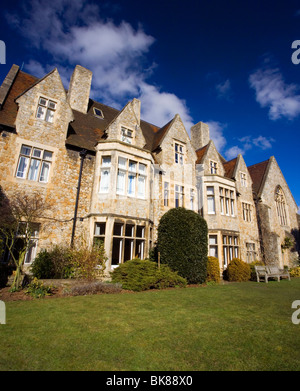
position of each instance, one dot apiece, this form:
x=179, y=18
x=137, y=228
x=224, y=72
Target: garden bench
x=267, y=272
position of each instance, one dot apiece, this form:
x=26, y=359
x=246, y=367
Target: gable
x=127, y=120
x=212, y=155
x=9, y=109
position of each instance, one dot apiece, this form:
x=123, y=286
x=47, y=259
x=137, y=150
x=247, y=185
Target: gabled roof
x=9, y=110
x=257, y=172
x=200, y=154
x=229, y=167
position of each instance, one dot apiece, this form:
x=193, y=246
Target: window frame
x=44, y=109
x=178, y=153
x=31, y=158
x=211, y=200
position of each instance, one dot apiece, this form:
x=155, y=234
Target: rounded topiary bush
x=238, y=270
x=139, y=275
x=182, y=243
x=213, y=269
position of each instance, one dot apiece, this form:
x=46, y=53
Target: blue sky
x=226, y=63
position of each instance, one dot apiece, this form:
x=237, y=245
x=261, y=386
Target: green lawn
x=238, y=326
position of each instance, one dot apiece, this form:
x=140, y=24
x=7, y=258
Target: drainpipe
x=82, y=155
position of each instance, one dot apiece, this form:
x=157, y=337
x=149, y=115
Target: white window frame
x=105, y=174
x=46, y=109
x=213, y=245
x=127, y=135
x=179, y=196
x=211, y=205
x=179, y=153
x=213, y=166
x=132, y=175
x=99, y=114
x=33, y=163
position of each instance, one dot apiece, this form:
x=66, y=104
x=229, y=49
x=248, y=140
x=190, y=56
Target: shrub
x=82, y=262
x=43, y=266
x=295, y=271
x=182, y=243
x=213, y=269
x=238, y=270
x=37, y=289
x=89, y=262
x=91, y=288
x=140, y=275
x=54, y=263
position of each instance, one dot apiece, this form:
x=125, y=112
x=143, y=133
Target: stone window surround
x=47, y=109
x=113, y=168
x=127, y=134
x=19, y=143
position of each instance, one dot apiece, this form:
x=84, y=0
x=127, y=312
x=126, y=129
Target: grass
x=239, y=326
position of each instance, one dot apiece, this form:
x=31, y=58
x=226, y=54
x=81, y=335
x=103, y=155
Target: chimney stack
x=79, y=90
x=199, y=135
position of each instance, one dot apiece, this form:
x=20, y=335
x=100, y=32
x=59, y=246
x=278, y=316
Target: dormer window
x=98, y=113
x=46, y=109
x=179, y=153
x=126, y=135
x=213, y=167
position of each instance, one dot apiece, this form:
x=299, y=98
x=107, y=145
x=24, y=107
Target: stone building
x=110, y=176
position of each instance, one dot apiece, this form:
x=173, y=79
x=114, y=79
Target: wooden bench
x=267, y=272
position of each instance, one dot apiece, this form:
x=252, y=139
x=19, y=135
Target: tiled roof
x=229, y=167
x=9, y=109
x=257, y=172
x=200, y=153
x=86, y=130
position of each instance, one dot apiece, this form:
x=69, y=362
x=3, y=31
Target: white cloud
x=247, y=143
x=216, y=134
x=72, y=32
x=160, y=107
x=272, y=91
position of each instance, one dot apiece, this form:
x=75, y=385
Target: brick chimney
x=79, y=90
x=199, y=135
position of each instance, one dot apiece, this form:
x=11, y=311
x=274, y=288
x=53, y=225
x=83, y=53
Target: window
x=250, y=252
x=227, y=201
x=166, y=194
x=126, y=135
x=213, y=246
x=178, y=153
x=213, y=167
x=128, y=242
x=132, y=177
x=280, y=206
x=243, y=179
x=46, y=109
x=178, y=196
x=105, y=174
x=247, y=212
x=99, y=233
x=34, y=164
x=28, y=233
x=210, y=200
x=230, y=248
x=192, y=199
x=98, y=113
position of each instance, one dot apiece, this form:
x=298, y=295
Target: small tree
x=182, y=243
x=19, y=216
